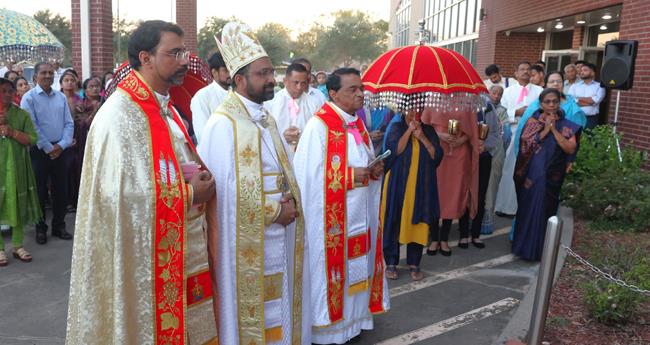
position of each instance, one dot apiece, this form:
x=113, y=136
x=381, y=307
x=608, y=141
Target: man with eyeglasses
x=140, y=263
x=262, y=255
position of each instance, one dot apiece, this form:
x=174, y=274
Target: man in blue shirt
x=52, y=120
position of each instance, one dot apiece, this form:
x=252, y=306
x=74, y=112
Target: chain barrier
x=603, y=274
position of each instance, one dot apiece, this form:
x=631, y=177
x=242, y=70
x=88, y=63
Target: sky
x=297, y=15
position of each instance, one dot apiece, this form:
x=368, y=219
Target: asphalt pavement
x=466, y=299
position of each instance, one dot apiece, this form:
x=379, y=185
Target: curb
x=517, y=328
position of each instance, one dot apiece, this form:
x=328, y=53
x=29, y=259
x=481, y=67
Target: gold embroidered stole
x=168, y=276
x=250, y=224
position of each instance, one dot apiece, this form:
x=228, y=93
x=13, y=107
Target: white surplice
x=506, y=201
x=279, y=108
x=203, y=104
x=362, y=213
x=317, y=96
x=217, y=149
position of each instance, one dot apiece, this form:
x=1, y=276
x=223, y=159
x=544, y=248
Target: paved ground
x=467, y=298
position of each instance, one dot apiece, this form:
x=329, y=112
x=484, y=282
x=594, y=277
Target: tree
x=306, y=45
x=122, y=30
x=59, y=26
x=276, y=40
x=205, y=40
x=353, y=38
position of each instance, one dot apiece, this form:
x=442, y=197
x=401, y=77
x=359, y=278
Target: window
x=597, y=37
x=454, y=24
x=403, y=15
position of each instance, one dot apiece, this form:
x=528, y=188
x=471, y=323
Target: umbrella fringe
x=439, y=102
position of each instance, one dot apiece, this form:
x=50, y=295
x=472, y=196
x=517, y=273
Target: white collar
x=347, y=117
x=162, y=99
x=255, y=110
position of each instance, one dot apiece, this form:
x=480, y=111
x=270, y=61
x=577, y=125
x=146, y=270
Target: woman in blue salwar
x=547, y=145
x=410, y=193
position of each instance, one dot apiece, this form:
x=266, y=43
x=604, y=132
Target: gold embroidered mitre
x=239, y=46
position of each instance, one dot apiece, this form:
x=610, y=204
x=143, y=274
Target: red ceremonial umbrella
x=418, y=76
x=198, y=76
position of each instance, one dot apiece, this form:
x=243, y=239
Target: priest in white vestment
x=292, y=107
x=313, y=93
x=516, y=99
x=206, y=100
x=261, y=248
x=342, y=215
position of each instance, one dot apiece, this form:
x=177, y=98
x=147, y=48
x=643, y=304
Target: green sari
x=18, y=196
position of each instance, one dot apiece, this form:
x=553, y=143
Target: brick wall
x=101, y=36
x=517, y=47
x=186, y=19
x=503, y=15
x=634, y=110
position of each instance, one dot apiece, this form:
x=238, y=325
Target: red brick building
x=510, y=32
x=100, y=22
x=506, y=32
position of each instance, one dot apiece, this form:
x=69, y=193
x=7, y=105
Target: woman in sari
x=547, y=145
x=568, y=104
x=83, y=116
x=410, y=180
x=19, y=203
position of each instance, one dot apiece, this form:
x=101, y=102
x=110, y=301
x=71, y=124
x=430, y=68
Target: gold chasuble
x=259, y=263
x=140, y=268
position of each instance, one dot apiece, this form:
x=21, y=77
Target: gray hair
x=570, y=66
x=496, y=86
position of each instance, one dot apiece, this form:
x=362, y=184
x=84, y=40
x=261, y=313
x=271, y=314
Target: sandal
x=416, y=273
x=3, y=259
x=391, y=272
x=22, y=255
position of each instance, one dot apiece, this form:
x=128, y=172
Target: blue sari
x=399, y=166
x=539, y=174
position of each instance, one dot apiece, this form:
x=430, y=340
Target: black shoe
x=432, y=252
x=61, y=233
x=445, y=252
x=41, y=237
x=463, y=245
x=479, y=245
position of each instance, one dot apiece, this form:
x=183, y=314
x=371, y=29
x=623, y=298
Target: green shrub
x=610, y=303
x=609, y=193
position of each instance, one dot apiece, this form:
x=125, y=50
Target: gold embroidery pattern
x=273, y=286
x=335, y=175
x=131, y=83
x=250, y=223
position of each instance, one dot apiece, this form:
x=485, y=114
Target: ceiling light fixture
x=540, y=29
x=559, y=26
x=603, y=27
x=607, y=16
x=580, y=22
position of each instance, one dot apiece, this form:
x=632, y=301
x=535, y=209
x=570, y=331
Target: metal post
x=545, y=280
x=618, y=144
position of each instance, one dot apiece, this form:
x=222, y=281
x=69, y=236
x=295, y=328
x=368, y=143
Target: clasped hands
x=292, y=135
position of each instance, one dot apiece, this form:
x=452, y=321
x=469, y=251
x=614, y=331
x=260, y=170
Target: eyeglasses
x=551, y=101
x=179, y=55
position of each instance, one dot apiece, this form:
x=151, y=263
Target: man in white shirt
x=206, y=100
x=309, y=90
x=494, y=78
x=588, y=94
x=516, y=99
x=570, y=77
x=292, y=107
x=58, y=72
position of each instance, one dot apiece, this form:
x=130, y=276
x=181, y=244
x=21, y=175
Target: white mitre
x=239, y=46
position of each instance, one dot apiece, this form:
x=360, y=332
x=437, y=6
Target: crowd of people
x=274, y=215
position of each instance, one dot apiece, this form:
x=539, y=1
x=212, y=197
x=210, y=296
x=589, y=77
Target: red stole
x=172, y=198
x=338, y=179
